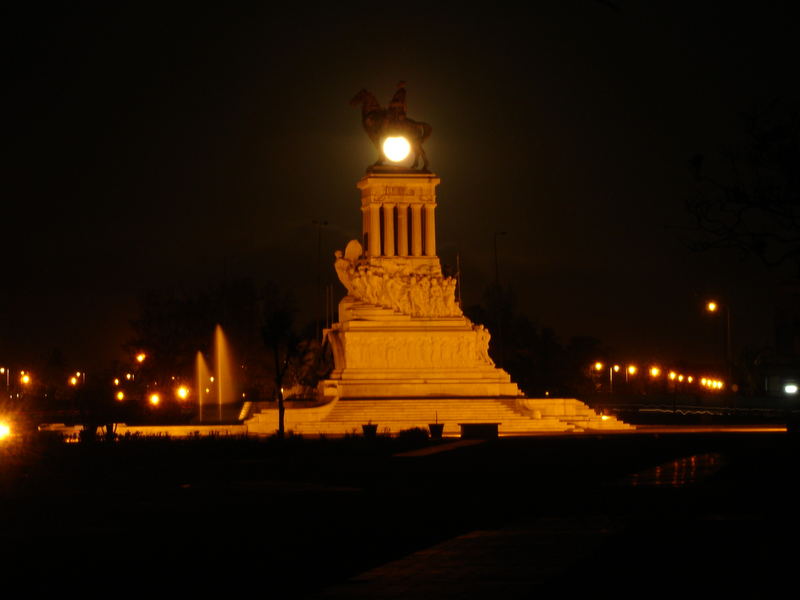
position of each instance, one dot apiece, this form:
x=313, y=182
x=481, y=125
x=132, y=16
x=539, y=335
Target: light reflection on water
x=678, y=472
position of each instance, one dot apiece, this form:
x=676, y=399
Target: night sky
x=173, y=148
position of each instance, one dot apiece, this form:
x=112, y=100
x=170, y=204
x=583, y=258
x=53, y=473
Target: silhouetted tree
x=532, y=355
x=281, y=340
x=752, y=204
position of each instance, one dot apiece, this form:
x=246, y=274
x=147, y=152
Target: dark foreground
x=507, y=518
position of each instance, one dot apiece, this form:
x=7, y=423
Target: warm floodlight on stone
x=396, y=148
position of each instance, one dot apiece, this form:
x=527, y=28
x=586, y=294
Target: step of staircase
x=514, y=416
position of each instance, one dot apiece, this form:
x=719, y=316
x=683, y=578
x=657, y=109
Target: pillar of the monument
x=388, y=229
x=430, y=230
x=402, y=229
x=416, y=230
x=374, y=230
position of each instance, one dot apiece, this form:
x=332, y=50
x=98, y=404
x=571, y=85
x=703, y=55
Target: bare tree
x=752, y=204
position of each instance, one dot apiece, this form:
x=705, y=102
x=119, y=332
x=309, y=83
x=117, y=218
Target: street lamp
x=319, y=224
x=499, y=308
x=496, y=267
x=611, y=371
x=712, y=306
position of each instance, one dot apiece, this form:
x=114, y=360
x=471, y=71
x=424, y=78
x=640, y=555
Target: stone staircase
x=515, y=416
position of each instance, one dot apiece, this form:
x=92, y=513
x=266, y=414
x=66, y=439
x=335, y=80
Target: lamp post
x=319, y=224
x=496, y=267
x=499, y=307
x=713, y=307
x=611, y=371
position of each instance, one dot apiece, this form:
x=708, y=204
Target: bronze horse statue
x=380, y=123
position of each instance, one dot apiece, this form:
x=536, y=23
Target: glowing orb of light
x=790, y=388
x=396, y=148
x=182, y=392
x=5, y=431
x=155, y=399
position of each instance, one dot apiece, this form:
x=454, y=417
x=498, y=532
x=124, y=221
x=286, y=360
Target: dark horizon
x=178, y=150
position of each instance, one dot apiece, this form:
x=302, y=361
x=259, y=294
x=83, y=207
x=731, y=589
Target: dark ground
x=242, y=515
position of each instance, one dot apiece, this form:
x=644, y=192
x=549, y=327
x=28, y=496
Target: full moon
x=396, y=148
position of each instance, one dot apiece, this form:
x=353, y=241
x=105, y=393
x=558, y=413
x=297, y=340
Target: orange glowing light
x=25, y=379
x=155, y=399
x=116, y=380
x=655, y=371
x=182, y=392
x=120, y=395
x=672, y=375
x=631, y=369
x=5, y=431
x=598, y=366
x=141, y=357
x=616, y=368
x=690, y=379
x=73, y=380
x=712, y=306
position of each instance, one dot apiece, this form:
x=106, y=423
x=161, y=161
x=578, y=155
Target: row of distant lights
x=655, y=372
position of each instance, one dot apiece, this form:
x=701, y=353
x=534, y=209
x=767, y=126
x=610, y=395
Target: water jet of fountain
x=202, y=375
x=221, y=376
x=223, y=368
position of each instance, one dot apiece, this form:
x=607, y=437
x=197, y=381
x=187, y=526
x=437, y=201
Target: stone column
x=374, y=230
x=430, y=230
x=416, y=230
x=402, y=229
x=388, y=229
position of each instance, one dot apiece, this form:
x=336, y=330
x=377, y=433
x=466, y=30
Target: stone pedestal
x=400, y=332
x=380, y=353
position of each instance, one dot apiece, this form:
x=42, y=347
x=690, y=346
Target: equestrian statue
x=380, y=123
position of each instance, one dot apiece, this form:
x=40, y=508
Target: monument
x=404, y=353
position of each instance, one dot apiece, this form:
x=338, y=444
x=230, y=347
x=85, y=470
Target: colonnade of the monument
x=386, y=228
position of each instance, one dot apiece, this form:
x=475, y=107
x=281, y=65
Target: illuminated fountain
x=218, y=384
x=202, y=376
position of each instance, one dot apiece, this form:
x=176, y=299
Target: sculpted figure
x=359, y=284
x=394, y=288
x=344, y=270
x=438, y=306
x=373, y=286
x=380, y=123
x=483, y=344
x=451, y=307
x=404, y=301
x=425, y=296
